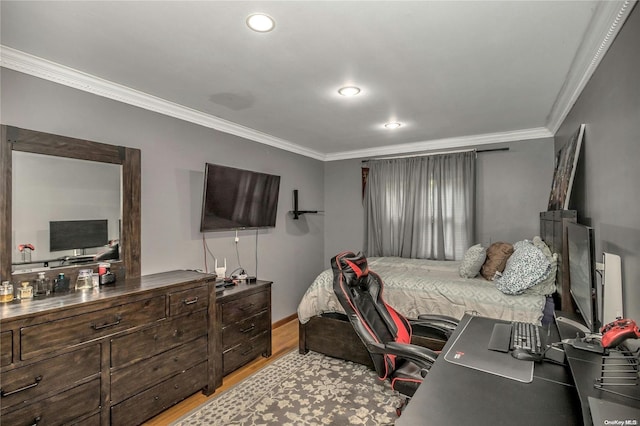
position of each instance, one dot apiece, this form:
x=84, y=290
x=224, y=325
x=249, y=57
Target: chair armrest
x=439, y=323
x=440, y=318
x=423, y=357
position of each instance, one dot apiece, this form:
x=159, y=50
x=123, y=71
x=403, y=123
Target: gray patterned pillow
x=472, y=262
x=526, y=267
x=548, y=284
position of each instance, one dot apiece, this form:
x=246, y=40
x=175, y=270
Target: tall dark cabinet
x=553, y=230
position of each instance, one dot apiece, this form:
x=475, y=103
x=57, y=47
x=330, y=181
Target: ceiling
x=454, y=73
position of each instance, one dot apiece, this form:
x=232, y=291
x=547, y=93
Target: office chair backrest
x=359, y=291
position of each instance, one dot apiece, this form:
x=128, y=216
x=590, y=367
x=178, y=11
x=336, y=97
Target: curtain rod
x=437, y=153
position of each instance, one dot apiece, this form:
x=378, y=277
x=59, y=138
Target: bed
x=523, y=281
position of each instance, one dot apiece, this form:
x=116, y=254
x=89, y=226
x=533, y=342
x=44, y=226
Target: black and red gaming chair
x=385, y=333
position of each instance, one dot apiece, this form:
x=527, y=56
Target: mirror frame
x=17, y=139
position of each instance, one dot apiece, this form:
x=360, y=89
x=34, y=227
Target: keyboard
x=526, y=336
x=518, y=338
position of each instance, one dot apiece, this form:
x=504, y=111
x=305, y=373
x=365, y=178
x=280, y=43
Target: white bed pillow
x=472, y=262
x=525, y=268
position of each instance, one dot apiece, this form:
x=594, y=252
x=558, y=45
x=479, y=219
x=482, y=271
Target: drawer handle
x=245, y=307
x=36, y=421
x=248, y=329
x=190, y=301
x=117, y=321
x=36, y=382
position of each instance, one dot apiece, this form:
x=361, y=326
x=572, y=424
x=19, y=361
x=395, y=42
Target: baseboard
x=284, y=320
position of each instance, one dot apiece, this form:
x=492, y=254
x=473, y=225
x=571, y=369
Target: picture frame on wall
x=565, y=170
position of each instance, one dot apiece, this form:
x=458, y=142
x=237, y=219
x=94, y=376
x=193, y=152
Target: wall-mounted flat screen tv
x=238, y=199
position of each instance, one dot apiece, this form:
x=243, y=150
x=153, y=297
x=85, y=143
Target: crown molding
x=42, y=68
x=440, y=144
x=28, y=64
x=603, y=28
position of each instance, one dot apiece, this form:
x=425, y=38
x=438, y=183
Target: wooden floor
x=284, y=339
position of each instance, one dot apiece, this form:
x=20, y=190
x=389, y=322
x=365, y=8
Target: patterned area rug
x=296, y=389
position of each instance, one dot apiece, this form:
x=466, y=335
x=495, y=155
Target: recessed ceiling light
x=260, y=22
x=393, y=125
x=349, y=91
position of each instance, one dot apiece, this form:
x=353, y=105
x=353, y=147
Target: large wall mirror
x=55, y=184
x=66, y=209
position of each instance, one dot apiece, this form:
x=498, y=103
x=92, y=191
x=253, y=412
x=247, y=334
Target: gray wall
x=606, y=190
x=344, y=214
x=512, y=189
x=173, y=156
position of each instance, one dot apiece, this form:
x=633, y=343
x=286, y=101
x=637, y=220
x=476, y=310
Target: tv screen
x=77, y=234
x=238, y=199
x=581, y=248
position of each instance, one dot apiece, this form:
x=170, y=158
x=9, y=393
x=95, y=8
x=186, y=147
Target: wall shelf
x=296, y=212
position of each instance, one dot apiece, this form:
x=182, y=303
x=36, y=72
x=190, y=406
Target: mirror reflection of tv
x=238, y=199
x=582, y=273
x=77, y=234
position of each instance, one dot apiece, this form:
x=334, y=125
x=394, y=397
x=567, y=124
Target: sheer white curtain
x=421, y=207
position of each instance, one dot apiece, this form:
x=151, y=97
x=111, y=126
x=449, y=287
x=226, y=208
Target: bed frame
x=333, y=335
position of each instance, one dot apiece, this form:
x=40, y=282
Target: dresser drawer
x=137, y=377
x=61, y=408
x=6, y=348
x=47, y=337
x=187, y=301
x=241, y=354
x=249, y=328
x=32, y=381
x=159, y=338
x=88, y=421
x=244, y=307
x=147, y=404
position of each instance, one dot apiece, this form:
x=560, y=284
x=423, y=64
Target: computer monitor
x=582, y=273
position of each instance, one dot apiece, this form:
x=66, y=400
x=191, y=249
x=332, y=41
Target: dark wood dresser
x=115, y=355
x=244, y=325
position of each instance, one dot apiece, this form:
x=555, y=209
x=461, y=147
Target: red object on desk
x=618, y=331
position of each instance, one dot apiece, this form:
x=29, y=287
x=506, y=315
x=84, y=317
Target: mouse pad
x=470, y=350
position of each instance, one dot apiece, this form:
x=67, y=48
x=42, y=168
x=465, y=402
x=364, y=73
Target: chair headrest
x=352, y=266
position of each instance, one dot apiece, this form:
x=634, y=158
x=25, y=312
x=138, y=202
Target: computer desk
x=585, y=368
x=456, y=395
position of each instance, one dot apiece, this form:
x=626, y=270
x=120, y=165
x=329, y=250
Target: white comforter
x=416, y=286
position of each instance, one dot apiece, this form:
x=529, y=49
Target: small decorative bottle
x=25, y=290
x=61, y=284
x=6, y=292
x=42, y=285
x=84, y=280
